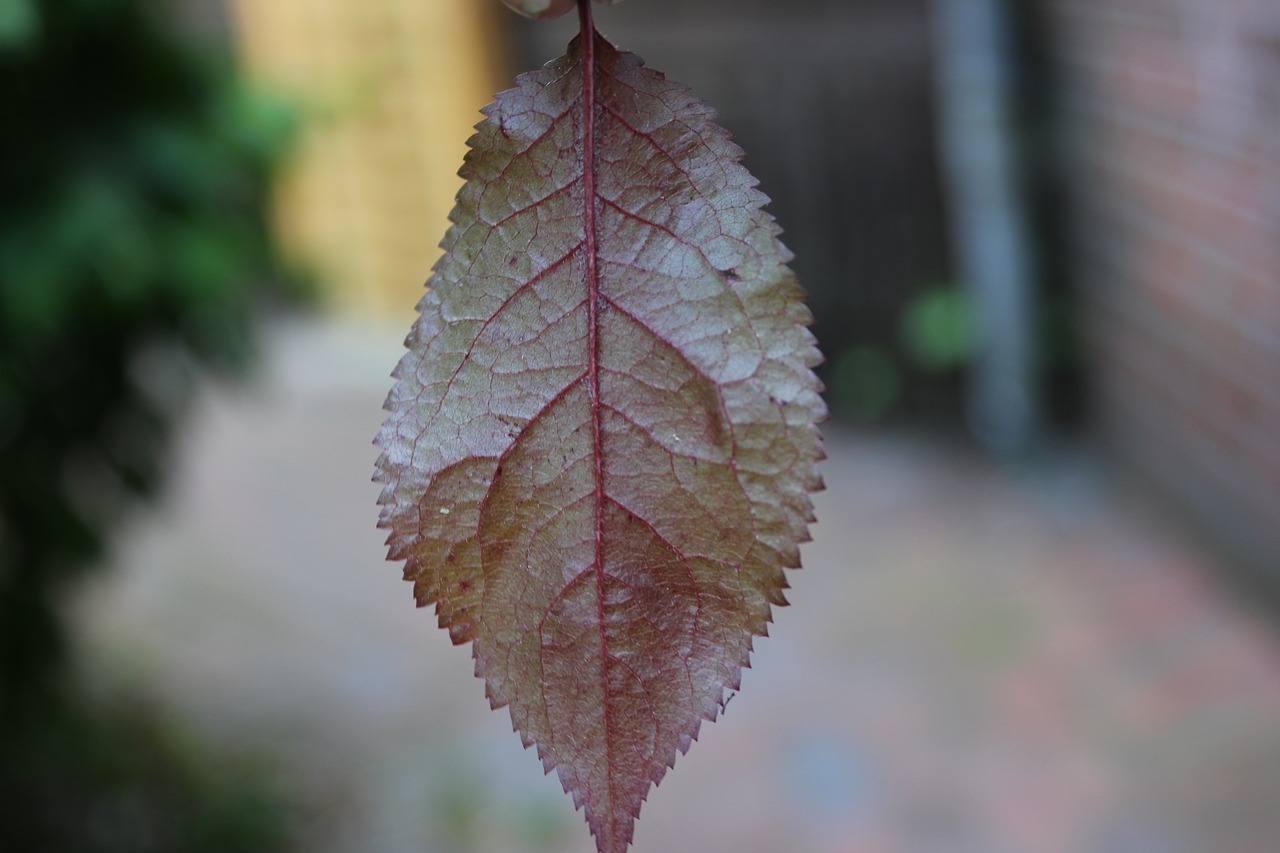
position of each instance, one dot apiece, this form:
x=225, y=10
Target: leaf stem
x=588, y=37
x=593, y=274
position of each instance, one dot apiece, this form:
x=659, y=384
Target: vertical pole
x=988, y=217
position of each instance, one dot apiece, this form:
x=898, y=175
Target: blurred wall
x=1172, y=114
x=391, y=90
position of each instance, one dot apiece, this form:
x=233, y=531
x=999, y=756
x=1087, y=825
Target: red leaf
x=602, y=438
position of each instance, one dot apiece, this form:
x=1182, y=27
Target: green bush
x=133, y=250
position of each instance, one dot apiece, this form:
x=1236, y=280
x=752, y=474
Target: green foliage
x=18, y=23
x=602, y=440
x=133, y=246
x=937, y=329
x=865, y=383
x=125, y=780
x=935, y=338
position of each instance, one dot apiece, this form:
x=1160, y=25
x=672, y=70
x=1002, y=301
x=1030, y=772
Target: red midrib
x=588, y=36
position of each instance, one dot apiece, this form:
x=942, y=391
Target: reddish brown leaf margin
x=603, y=436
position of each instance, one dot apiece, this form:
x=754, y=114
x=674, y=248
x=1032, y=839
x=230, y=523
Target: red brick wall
x=1172, y=131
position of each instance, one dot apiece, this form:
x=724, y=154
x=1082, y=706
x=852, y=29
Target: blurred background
x=1042, y=243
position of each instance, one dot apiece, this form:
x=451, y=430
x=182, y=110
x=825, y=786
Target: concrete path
x=975, y=661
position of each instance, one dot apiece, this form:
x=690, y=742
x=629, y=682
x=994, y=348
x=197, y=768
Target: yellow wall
x=392, y=90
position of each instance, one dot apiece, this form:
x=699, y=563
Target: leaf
x=602, y=438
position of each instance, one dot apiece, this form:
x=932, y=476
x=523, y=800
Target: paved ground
x=976, y=660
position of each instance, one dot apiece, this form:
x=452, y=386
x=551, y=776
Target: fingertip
x=540, y=8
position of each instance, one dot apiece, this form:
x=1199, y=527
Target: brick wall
x=1172, y=132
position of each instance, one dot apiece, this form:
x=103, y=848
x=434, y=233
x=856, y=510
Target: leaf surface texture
x=602, y=438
